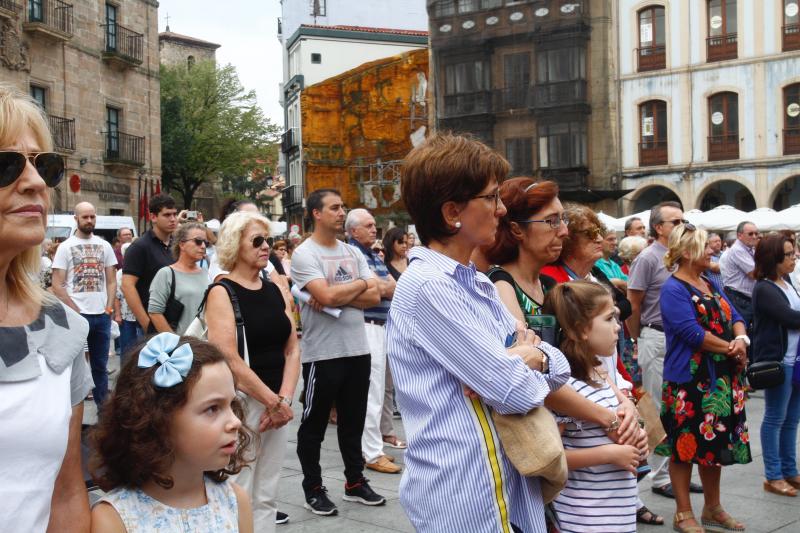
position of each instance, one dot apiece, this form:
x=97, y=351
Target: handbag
x=199, y=329
x=533, y=444
x=652, y=420
x=546, y=328
x=765, y=374
x=173, y=310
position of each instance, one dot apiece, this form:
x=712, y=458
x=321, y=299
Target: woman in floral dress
x=703, y=408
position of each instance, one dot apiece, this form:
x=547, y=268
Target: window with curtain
x=563, y=145
x=561, y=64
x=519, y=152
x=651, y=26
x=467, y=77
x=721, y=17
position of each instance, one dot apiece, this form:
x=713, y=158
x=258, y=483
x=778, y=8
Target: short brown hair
x=522, y=197
x=131, y=441
x=446, y=168
x=581, y=218
x=769, y=254
x=575, y=304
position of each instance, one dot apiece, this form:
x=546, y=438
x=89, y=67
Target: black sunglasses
x=258, y=241
x=198, y=241
x=49, y=165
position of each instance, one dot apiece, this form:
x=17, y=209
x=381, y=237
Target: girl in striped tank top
x=600, y=495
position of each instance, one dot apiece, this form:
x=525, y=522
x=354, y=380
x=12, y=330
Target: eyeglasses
x=49, y=165
x=751, y=233
x=789, y=254
x=258, y=241
x=592, y=233
x=494, y=196
x=676, y=222
x=198, y=241
x=688, y=226
x=554, y=220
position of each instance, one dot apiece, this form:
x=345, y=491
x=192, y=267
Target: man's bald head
x=86, y=218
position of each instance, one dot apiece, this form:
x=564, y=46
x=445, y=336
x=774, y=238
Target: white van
x=59, y=227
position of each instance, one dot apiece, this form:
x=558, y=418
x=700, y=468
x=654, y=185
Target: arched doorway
x=652, y=196
x=727, y=192
x=787, y=194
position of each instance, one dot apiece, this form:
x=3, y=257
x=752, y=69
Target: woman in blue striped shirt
x=446, y=331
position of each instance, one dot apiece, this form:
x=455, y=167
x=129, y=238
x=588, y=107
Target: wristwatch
x=614, y=425
x=744, y=338
x=284, y=399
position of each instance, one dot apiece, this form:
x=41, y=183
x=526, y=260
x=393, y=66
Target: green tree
x=211, y=128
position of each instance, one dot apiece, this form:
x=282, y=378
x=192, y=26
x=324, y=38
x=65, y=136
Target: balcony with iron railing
x=476, y=103
x=8, y=9
x=791, y=37
x=722, y=47
x=290, y=140
x=652, y=57
x=513, y=98
x=562, y=93
x=568, y=179
x=292, y=197
x=653, y=153
x=123, y=46
x=791, y=141
x=124, y=149
x=63, y=130
x=49, y=18
x=723, y=147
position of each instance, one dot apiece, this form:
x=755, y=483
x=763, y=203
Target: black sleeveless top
x=267, y=328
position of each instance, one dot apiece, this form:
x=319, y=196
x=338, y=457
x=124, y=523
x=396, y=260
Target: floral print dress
x=704, y=418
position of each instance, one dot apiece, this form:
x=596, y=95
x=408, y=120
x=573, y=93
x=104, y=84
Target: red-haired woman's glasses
x=49, y=165
x=554, y=220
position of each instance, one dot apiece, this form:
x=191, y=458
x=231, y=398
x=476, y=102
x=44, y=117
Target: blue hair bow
x=176, y=361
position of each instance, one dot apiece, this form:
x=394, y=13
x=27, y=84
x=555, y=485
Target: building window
x=791, y=119
x=517, y=78
x=652, y=49
x=562, y=145
x=467, y=6
x=561, y=64
x=35, y=10
x=791, y=25
x=111, y=27
x=316, y=58
x=722, y=41
x=112, y=131
x=466, y=88
x=444, y=8
x=318, y=8
x=723, y=125
x=40, y=95
x=519, y=153
x=653, y=133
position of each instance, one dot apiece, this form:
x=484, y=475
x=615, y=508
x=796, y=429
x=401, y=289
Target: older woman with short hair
x=630, y=247
x=268, y=366
x=447, y=329
x=776, y=335
x=43, y=373
x=703, y=397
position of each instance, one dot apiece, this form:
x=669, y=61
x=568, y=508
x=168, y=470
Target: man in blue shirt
x=361, y=229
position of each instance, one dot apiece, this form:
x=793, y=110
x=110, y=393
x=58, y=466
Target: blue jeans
x=129, y=333
x=779, y=428
x=99, y=341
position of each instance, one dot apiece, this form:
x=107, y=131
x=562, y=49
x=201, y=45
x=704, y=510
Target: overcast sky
x=247, y=31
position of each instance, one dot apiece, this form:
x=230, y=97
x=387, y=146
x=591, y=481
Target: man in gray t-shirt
x=335, y=352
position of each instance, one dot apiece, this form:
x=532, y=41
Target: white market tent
x=724, y=218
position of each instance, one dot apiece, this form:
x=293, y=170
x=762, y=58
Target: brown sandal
x=719, y=520
x=682, y=516
x=794, y=481
x=781, y=487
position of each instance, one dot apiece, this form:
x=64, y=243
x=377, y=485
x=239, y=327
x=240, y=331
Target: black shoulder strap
x=237, y=313
x=172, y=288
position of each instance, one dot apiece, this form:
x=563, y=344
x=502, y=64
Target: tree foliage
x=211, y=128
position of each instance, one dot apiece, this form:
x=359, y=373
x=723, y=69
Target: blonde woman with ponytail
x=703, y=397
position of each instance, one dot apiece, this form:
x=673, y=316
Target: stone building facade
x=93, y=66
x=177, y=49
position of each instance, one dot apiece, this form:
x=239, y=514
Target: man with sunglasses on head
x=84, y=278
x=647, y=275
x=736, y=266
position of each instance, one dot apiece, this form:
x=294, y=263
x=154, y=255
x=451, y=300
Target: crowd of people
x=510, y=303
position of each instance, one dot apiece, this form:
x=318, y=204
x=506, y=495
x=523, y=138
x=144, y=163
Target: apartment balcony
x=791, y=37
x=63, y=130
x=290, y=140
x=568, y=179
x=561, y=94
x=124, y=47
x=9, y=9
x=124, y=149
x=51, y=19
x=722, y=47
x=477, y=103
x=723, y=147
x=653, y=153
x=292, y=198
x=791, y=141
x=652, y=58
x=512, y=98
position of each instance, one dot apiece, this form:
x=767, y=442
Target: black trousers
x=345, y=382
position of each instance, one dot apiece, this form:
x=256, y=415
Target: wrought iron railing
x=560, y=93
x=63, y=130
x=722, y=147
x=513, y=98
x=652, y=57
x=653, y=153
x=292, y=196
x=9, y=5
x=124, y=148
x=124, y=42
x=52, y=13
x=290, y=139
x=722, y=47
x=468, y=103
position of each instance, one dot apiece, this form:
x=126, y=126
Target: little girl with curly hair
x=600, y=494
x=167, y=440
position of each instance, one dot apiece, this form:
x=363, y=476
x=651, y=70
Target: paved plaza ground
x=742, y=494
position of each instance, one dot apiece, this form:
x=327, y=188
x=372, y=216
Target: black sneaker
x=317, y=502
x=361, y=492
x=281, y=518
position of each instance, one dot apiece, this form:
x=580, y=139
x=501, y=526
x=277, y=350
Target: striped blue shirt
x=446, y=329
x=378, y=267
